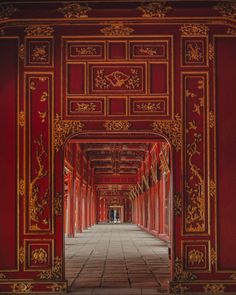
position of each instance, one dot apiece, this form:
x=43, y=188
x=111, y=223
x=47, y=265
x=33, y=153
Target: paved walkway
x=120, y=256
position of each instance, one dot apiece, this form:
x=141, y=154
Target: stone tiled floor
x=120, y=256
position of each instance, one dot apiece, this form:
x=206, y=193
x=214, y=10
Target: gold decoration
x=39, y=54
x=37, y=204
x=178, y=204
x=212, y=188
x=180, y=274
x=42, y=115
x=149, y=106
x=22, y=52
x=195, y=257
x=154, y=9
x=231, y=31
x=63, y=128
x=58, y=204
x=41, y=30
x=2, y=276
x=193, y=53
x=39, y=255
x=117, y=29
x=194, y=29
x=55, y=273
x=44, y=96
x=214, y=288
x=22, y=287
x=86, y=51
x=21, y=255
x=211, y=52
x=227, y=9
x=6, y=11
x=32, y=85
x=211, y=120
x=21, y=119
x=56, y=287
x=233, y=276
x=148, y=51
x=213, y=256
x=178, y=289
x=172, y=129
x=117, y=125
x=86, y=107
x=74, y=10
x=21, y=187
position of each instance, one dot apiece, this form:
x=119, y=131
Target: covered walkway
x=120, y=256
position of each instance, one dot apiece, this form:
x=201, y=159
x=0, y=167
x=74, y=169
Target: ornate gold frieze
x=21, y=187
x=22, y=52
x=58, y=204
x=226, y=8
x=39, y=255
x=231, y=31
x=56, y=287
x=63, y=128
x=2, y=276
x=178, y=289
x=154, y=9
x=37, y=204
x=194, y=29
x=195, y=257
x=39, y=30
x=39, y=54
x=55, y=273
x=149, y=106
x=117, y=125
x=22, y=287
x=172, y=129
x=214, y=288
x=194, y=53
x=211, y=51
x=178, y=204
x=213, y=256
x=212, y=188
x=180, y=274
x=21, y=119
x=117, y=29
x=211, y=120
x=6, y=11
x=85, y=107
x=21, y=255
x=74, y=10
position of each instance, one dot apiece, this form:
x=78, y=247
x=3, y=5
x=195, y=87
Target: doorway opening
x=117, y=213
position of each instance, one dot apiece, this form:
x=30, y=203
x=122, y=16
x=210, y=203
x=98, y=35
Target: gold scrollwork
x=195, y=257
x=180, y=274
x=42, y=115
x=178, y=204
x=213, y=256
x=85, y=107
x=21, y=119
x=117, y=125
x=211, y=51
x=117, y=29
x=172, y=129
x=227, y=9
x=194, y=53
x=6, y=11
x=21, y=255
x=178, y=288
x=74, y=10
x=148, y=51
x=55, y=273
x=39, y=255
x=39, y=54
x=231, y=31
x=44, y=96
x=194, y=29
x=154, y=9
x=214, y=288
x=36, y=31
x=211, y=120
x=22, y=52
x=2, y=276
x=63, y=128
x=58, y=204
x=22, y=287
x=149, y=106
x=21, y=187
x=55, y=287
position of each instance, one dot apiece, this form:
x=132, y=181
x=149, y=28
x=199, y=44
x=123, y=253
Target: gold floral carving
x=22, y=287
x=178, y=289
x=58, y=204
x=148, y=51
x=39, y=255
x=211, y=51
x=117, y=29
x=117, y=125
x=21, y=187
x=39, y=54
x=63, y=128
x=149, y=106
x=231, y=31
x=212, y=188
x=55, y=273
x=154, y=9
x=74, y=10
x=41, y=30
x=6, y=11
x=42, y=115
x=214, y=288
x=37, y=204
x=180, y=274
x=21, y=119
x=21, y=255
x=60, y=288
x=178, y=204
x=22, y=52
x=211, y=120
x=2, y=276
x=86, y=107
x=86, y=51
x=193, y=53
x=194, y=29
x=172, y=129
x=213, y=256
x=117, y=79
x=195, y=257
x=227, y=9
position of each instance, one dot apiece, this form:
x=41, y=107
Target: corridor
x=120, y=256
